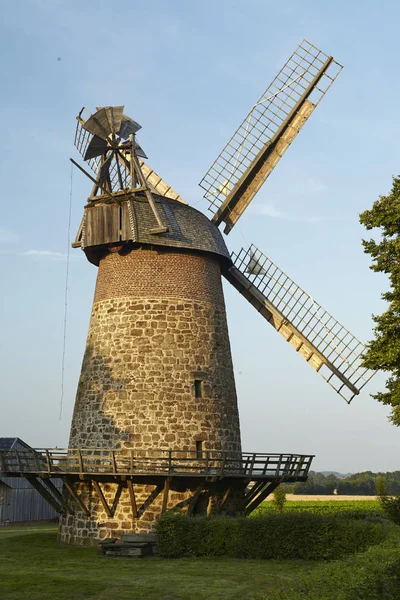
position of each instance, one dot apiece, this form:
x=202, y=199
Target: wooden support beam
x=74, y=495
x=256, y=489
x=165, y=496
x=104, y=502
x=133, y=499
x=56, y=493
x=116, y=499
x=44, y=493
x=261, y=497
x=225, y=497
x=149, y=500
x=194, y=499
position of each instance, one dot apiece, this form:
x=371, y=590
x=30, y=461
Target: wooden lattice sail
x=265, y=134
x=317, y=336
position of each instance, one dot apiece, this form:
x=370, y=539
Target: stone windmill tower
x=157, y=374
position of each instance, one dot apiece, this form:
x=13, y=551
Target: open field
x=322, y=498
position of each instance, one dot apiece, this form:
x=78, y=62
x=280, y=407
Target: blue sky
x=189, y=72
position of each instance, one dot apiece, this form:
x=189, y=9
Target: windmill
x=156, y=423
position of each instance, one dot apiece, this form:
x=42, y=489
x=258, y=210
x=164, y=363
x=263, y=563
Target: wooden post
x=114, y=464
x=207, y=459
x=133, y=499
x=80, y=459
x=252, y=465
x=132, y=461
x=223, y=464
x=165, y=495
x=169, y=462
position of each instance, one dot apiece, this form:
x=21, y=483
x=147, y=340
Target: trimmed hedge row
x=280, y=536
x=370, y=575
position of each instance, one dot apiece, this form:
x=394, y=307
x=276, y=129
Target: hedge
x=280, y=536
x=370, y=575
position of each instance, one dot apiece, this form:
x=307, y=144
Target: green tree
x=279, y=498
x=383, y=352
x=380, y=485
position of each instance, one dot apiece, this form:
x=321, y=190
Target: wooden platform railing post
x=222, y=469
x=169, y=462
x=114, y=463
x=253, y=460
x=48, y=461
x=81, y=467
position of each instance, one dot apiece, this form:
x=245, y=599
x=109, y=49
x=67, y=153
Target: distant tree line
x=358, y=484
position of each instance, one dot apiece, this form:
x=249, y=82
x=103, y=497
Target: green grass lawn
x=34, y=567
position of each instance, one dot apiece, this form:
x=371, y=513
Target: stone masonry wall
x=158, y=324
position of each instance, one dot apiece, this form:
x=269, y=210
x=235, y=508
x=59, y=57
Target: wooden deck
x=168, y=470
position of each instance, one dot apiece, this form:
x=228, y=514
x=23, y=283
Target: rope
x=66, y=297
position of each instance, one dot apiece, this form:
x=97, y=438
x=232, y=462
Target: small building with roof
x=19, y=501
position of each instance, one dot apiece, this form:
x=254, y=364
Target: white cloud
x=268, y=210
x=45, y=254
x=8, y=237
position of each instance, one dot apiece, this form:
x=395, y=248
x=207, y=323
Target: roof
x=8, y=443
x=106, y=223
x=188, y=227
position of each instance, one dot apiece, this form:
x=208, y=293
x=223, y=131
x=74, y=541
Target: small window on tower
x=199, y=449
x=198, y=388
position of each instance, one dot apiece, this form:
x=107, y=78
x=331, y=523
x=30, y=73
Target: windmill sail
x=325, y=344
x=266, y=133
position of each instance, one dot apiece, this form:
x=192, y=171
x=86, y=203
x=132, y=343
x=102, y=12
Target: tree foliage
x=366, y=483
x=279, y=498
x=383, y=352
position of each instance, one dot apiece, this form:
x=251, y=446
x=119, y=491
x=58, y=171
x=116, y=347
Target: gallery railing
x=179, y=463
